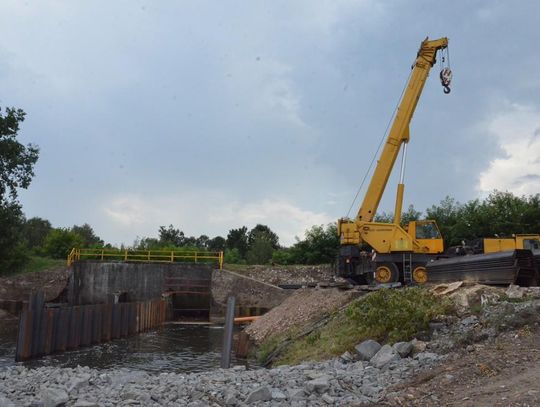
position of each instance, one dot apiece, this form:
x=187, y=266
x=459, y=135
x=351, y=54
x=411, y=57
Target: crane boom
x=399, y=253
x=399, y=132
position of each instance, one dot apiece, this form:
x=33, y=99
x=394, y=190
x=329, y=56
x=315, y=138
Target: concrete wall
x=94, y=282
x=248, y=292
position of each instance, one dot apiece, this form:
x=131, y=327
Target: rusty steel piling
x=44, y=330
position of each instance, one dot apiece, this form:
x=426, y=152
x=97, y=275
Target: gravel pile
x=277, y=275
x=303, y=306
x=342, y=381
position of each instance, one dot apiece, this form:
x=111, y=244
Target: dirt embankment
x=303, y=306
x=277, y=275
x=18, y=288
x=505, y=372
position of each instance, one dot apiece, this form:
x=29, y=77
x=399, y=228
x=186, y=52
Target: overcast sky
x=210, y=115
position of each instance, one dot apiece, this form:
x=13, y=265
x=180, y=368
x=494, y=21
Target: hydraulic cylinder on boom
x=397, y=253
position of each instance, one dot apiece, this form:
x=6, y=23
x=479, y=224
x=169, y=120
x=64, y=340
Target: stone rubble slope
x=303, y=306
x=340, y=381
x=296, y=274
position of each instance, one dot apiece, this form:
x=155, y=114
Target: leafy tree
x=261, y=250
x=238, y=239
x=16, y=160
x=202, y=242
x=283, y=256
x=406, y=217
x=88, y=235
x=384, y=217
x=410, y=215
x=216, y=244
x=171, y=236
x=16, y=171
x=13, y=255
x=60, y=241
x=146, y=243
x=35, y=230
x=265, y=233
x=232, y=256
x=319, y=246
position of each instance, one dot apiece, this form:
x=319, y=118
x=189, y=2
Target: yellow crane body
x=389, y=240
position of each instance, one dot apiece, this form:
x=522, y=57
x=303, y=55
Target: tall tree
x=35, y=230
x=88, y=235
x=238, y=239
x=16, y=160
x=16, y=171
x=265, y=233
x=216, y=244
x=171, y=236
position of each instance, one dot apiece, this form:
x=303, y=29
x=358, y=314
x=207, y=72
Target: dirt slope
x=503, y=373
x=18, y=287
x=303, y=306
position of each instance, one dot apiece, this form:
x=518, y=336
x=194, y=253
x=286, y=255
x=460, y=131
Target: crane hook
x=446, y=79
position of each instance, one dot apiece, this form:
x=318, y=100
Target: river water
x=172, y=348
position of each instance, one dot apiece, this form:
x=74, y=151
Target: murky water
x=173, y=348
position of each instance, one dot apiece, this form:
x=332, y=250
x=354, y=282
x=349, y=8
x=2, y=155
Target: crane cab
x=427, y=234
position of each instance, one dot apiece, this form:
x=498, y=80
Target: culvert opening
x=190, y=298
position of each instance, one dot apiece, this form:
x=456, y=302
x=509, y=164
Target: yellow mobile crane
x=399, y=254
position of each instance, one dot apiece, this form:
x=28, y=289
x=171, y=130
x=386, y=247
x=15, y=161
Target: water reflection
x=173, y=348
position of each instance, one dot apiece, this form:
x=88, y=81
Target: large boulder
x=319, y=385
x=53, y=397
x=262, y=393
x=403, y=349
x=367, y=349
x=384, y=356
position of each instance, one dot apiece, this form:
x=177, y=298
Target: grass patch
x=387, y=316
x=237, y=268
x=37, y=263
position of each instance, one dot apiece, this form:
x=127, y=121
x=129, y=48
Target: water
x=173, y=348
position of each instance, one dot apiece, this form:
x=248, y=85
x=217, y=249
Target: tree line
x=499, y=214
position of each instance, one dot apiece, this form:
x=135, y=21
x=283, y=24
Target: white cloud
x=203, y=212
x=517, y=132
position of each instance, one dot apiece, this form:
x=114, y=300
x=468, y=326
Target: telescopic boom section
x=399, y=133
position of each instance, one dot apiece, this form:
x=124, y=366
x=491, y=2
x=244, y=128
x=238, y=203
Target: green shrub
x=387, y=316
x=59, y=243
x=397, y=315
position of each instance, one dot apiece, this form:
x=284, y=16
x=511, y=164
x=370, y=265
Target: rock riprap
x=333, y=382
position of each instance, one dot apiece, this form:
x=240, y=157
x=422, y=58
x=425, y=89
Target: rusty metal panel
x=132, y=327
x=106, y=332
x=24, y=336
x=75, y=328
x=48, y=324
x=36, y=302
x=86, y=325
x=62, y=330
x=97, y=324
x=56, y=324
x=72, y=327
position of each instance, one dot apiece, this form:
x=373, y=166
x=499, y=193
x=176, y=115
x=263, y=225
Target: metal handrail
x=150, y=256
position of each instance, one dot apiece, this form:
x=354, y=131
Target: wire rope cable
x=380, y=144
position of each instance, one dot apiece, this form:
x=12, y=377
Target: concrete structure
x=247, y=291
x=196, y=288
x=96, y=282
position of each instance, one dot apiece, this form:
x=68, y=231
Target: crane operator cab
x=427, y=233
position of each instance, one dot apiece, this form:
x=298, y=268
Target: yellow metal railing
x=150, y=256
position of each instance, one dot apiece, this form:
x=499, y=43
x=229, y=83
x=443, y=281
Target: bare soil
x=18, y=288
x=305, y=305
x=503, y=373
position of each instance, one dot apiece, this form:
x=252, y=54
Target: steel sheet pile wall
x=44, y=330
